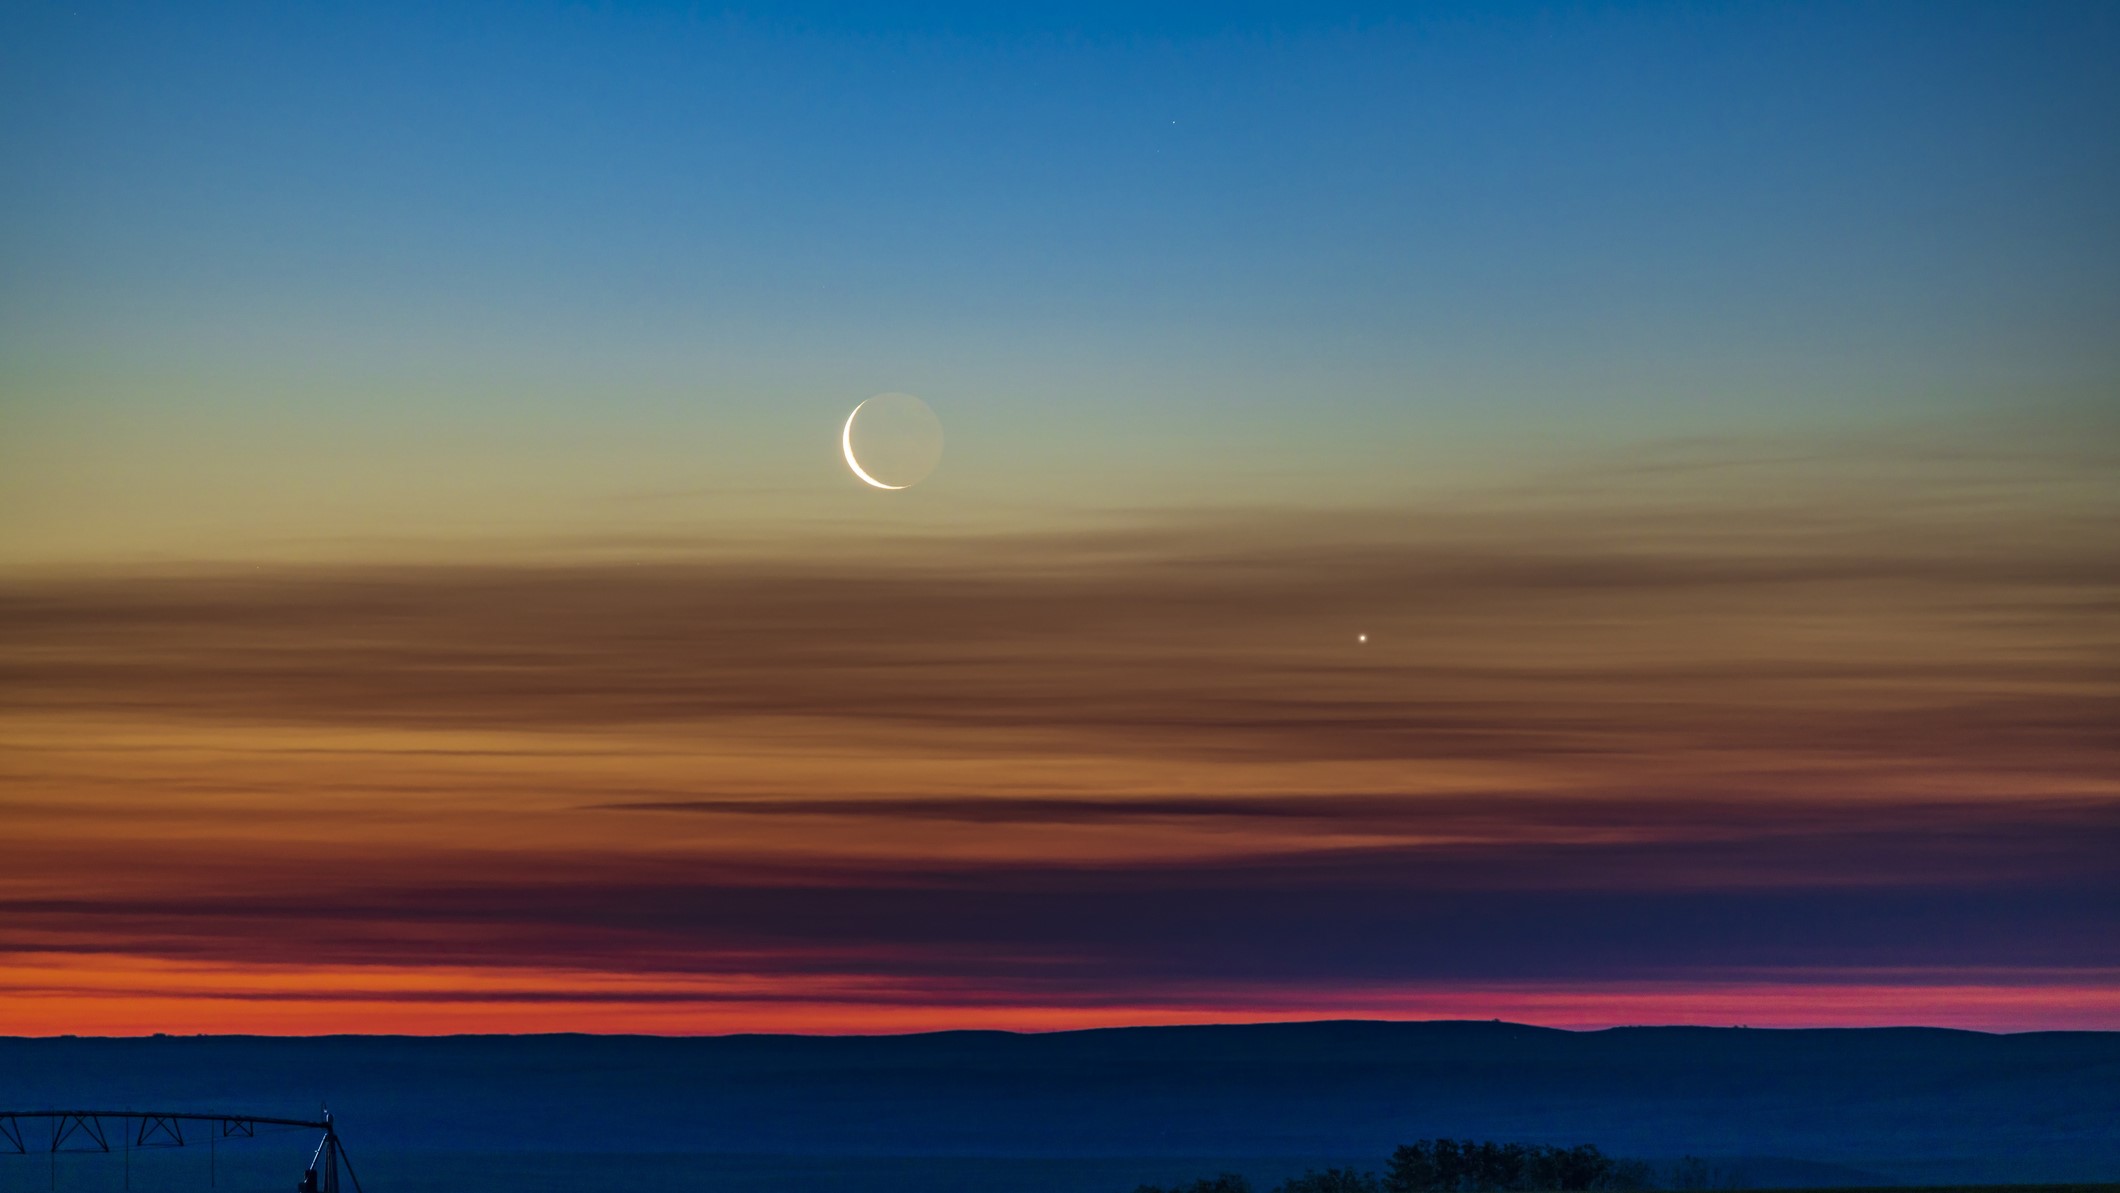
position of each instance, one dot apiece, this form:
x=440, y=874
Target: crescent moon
x=846, y=444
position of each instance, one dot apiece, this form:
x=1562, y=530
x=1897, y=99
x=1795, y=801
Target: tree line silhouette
x=1466, y=1166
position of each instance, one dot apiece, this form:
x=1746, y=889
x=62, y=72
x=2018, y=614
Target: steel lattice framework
x=95, y=1131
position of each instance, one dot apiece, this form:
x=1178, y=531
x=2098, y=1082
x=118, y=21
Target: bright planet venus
x=892, y=441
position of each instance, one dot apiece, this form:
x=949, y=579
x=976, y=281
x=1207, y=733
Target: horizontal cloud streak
x=1643, y=732
x=1945, y=888
x=1542, y=633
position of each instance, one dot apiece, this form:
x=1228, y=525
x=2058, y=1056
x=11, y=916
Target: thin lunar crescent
x=846, y=444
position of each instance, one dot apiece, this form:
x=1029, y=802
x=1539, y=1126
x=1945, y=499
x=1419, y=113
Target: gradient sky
x=431, y=598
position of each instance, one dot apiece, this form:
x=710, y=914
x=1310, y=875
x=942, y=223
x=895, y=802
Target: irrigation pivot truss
x=127, y=1130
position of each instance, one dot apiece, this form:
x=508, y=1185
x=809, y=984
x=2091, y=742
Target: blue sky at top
x=1316, y=225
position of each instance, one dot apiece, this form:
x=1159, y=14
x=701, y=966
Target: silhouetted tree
x=1494, y=1167
x=1226, y=1182
x=1413, y=1169
x=1449, y=1164
x=1332, y=1180
x=1467, y=1166
x=1583, y=1167
x=1464, y=1166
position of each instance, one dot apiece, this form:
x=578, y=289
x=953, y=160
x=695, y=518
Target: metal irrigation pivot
x=324, y=1166
x=93, y=1131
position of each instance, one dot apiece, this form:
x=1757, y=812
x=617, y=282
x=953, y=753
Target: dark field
x=1094, y=1112
x=274, y=1168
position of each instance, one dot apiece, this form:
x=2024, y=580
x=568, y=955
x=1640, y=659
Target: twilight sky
x=431, y=597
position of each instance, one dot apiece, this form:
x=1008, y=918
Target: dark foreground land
x=1100, y=1111
x=2061, y=1188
